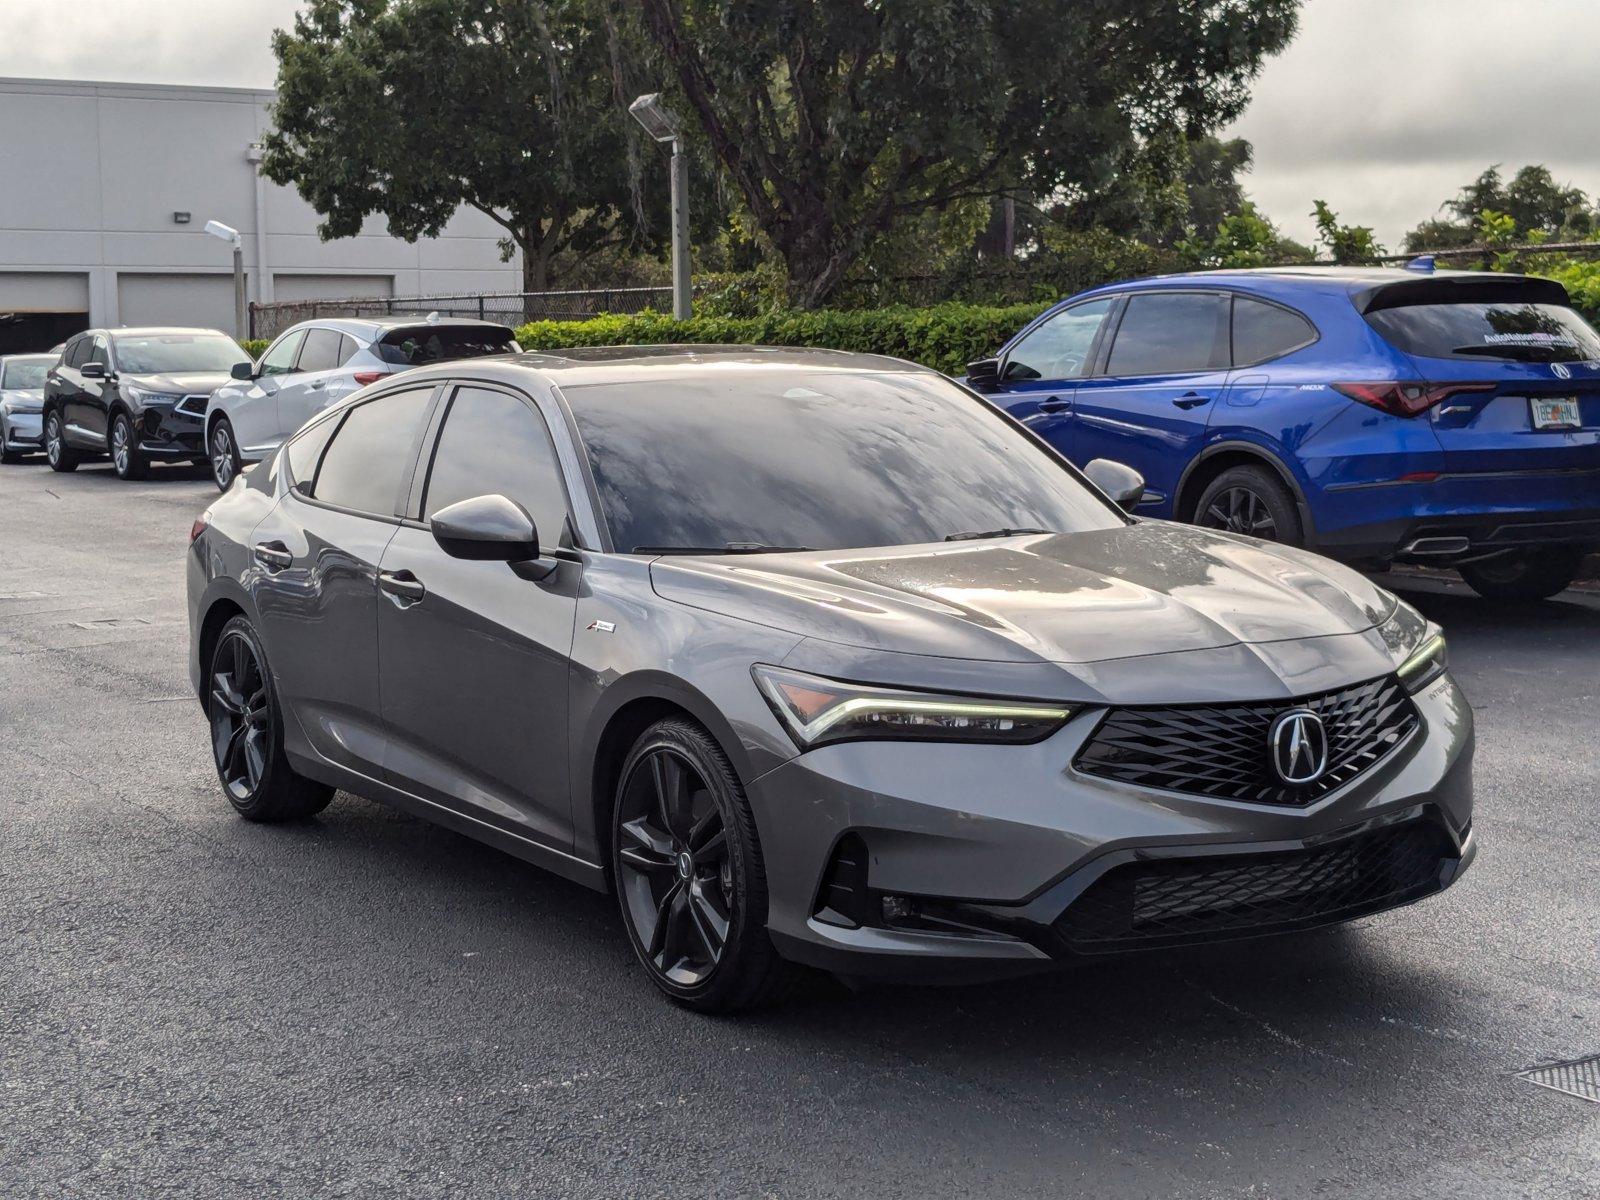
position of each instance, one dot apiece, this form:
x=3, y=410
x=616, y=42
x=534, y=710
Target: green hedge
x=256, y=347
x=945, y=337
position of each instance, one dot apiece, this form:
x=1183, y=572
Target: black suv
x=137, y=395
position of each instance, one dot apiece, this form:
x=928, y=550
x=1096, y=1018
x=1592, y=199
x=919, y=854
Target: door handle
x=316, y=385
x=274, y=556
x=403, y=586
x=1191, y=400
x=1054, y=405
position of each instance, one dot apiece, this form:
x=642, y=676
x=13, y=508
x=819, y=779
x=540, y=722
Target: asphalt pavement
x=369, y=1005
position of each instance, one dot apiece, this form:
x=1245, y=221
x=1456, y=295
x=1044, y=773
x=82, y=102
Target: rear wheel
x=224, y=454
x=247, y=733
x=689, y=874
x=1524, y=574
x=1253, y=501
x=126, y=458
x=61, y=456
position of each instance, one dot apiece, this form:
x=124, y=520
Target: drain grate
x=1580, y=1078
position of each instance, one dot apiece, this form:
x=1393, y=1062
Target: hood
x=22, y=397
x=187, y=383
x=1149, y=588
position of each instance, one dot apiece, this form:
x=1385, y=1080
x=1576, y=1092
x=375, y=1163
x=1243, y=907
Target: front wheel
x=127, y=459
x=689, y=874
x=224, y=454
x=1253, y=501
x=247, y=733
x=1524, y=574
x=8, y=456
x=61, y=456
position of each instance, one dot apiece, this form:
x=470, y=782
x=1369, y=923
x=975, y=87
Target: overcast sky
x=1383, y=108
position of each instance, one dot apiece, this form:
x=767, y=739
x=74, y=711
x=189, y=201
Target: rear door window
x=371, y=453
x=1262, y=331
x=320, y=351
x=1173, y=333
x=1519, y=332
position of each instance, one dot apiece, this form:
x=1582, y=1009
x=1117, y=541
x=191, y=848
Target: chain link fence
x=508, y=308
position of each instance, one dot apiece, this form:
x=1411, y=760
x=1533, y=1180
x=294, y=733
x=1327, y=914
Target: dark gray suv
x=816, y=658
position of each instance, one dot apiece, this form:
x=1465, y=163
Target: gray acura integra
x=816, y=658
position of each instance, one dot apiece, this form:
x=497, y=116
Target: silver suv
x=318, y=363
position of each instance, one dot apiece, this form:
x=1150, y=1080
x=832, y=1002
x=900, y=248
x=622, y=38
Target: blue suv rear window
x=1521, y=332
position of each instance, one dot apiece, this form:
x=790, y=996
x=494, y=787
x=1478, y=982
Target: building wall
x=91, y=175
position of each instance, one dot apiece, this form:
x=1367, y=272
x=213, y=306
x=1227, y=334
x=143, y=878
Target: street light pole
x=662, y=123
x=232, y=236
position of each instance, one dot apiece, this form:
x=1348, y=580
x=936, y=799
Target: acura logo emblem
x=1298, y=746
x=1560, y=371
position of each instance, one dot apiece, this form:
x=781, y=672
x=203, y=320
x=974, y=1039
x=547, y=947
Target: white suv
x=318, y=363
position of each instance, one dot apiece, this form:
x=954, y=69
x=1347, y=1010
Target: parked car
x=21, y=404
x=1377, y=416
x=316, y=364
x=137, y=395
x=816, y=658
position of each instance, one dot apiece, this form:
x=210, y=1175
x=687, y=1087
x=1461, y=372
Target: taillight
x=199, y=526
x=1407, y=399
x=363, y=378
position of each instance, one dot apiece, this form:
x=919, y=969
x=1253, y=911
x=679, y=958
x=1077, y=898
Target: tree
x=1243, y=239
x=836, y=120
x=1346, y=243
x=1533, y=200
x=414, y=108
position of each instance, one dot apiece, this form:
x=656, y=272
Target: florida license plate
x=1558, y=412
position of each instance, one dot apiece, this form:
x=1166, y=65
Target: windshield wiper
x=730, y=548
x=992, y=533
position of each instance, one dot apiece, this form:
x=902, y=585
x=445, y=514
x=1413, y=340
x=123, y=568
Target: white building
x=105, y=190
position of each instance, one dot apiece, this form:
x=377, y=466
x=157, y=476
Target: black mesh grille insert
x=1197, y=899
x=1221, y=750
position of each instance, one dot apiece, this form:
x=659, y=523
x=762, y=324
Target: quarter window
x=364, y=464
x=493, y=442
x=1165, y=334
x=279, y=358
x=1060, y=348
x=320, y=352
x=1262, y=331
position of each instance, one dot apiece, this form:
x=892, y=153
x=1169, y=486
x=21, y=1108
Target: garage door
x=330, y=287
x=39, y=309
x=202, y=300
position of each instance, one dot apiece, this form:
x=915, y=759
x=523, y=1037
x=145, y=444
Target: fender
x=1272, y=459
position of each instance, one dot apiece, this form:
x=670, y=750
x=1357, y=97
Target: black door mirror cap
x=983, y=373
x=243, y=370
x=492, y=528
x=1120, y=482
x=93, y=370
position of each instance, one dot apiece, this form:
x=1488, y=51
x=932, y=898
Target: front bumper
x=973, y=862
x=24, y=430
x=169, y=432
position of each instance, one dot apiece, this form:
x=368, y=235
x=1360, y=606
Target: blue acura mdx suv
x=1375, y=415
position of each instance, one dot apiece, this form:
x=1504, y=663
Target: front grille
x=1221, y=751
x=1171, y=901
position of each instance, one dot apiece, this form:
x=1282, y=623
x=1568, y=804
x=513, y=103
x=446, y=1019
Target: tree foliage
x=414, y=108
x=1536, y=205
x=838, y=119
x=1345, y=243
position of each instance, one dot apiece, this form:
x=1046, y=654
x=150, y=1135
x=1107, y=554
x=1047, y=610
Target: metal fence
x=508, y=308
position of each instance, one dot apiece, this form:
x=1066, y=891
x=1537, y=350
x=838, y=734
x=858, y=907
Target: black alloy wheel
x=60, y=456
x=689, y=874
x=1239, y=510
x=1251, y=501
x=241, y=718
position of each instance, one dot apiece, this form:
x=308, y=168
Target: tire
x=61, y=456
x=8, y=456
x=224, y=454
x=680, y=874
x=247, y=733
x=1253, y=501
x=1525, y=574
x=123, y=441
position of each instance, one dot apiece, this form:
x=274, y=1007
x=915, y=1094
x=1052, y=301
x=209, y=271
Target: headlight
x=1426, y=663
x=816, y=711
x=146, y=396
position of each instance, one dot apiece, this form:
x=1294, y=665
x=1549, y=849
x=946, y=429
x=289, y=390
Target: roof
x=155, y=330
x=371, y=326
x=1334, y=278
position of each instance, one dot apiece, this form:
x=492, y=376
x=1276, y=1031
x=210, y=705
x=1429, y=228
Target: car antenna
x=1422, y=262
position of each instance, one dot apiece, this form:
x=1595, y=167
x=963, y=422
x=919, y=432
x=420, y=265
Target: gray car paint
x=1148, y=612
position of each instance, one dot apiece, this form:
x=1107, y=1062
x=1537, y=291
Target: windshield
x=1516, y=331
x=176, y=353
x=439, y=343
x=823, y=460
x=24, y=373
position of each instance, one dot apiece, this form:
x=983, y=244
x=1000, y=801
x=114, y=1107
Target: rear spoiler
x=396, y=332
x=1461, y=289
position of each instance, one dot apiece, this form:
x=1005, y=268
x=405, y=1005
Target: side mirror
x=243, y=370
x=491, y=529
x=93, y=370
x=1121, y=482
x=983, y=374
